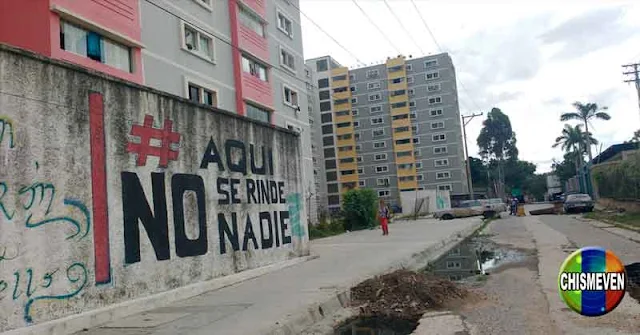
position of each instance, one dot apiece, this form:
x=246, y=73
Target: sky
x=531, y=59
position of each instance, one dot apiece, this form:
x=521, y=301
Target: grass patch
x=627, y=219
x=326, y=229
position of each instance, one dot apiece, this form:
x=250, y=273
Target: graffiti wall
x=111, y=192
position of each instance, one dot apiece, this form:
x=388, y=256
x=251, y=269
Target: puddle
x=377, y=326
x=473, y=256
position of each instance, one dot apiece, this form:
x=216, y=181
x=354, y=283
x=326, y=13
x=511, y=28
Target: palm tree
x=585, y=113
x=573, y=140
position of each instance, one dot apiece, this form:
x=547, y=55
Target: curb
x=613, y=225
x=338, y=306
x=97, y=317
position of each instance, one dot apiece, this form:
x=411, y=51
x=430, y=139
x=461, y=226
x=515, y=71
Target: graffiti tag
x=6, y=126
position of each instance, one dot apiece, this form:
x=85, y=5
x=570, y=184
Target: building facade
x=243, y=56
x=391, y=127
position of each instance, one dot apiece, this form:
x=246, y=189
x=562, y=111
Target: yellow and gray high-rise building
x=391, y=127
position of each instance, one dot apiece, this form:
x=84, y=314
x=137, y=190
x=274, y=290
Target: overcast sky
x=531, y=59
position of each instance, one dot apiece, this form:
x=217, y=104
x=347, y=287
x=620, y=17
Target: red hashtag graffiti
x=146, y=132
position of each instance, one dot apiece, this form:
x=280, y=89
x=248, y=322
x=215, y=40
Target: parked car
x=465, y=209
x=579, y=202
x=498, y=205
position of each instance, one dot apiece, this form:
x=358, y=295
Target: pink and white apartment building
x=243, y=56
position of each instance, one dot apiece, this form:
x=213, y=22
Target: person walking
x=383, y=216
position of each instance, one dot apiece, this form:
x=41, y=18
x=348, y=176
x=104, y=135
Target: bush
x=359, y=209
x=619, y=181
x=326, y=229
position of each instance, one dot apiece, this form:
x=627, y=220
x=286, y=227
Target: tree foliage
x=497, y=141
x=586, y=112
x=566, y=168
x=620, y=180
x=478, y=172
x=359, y=208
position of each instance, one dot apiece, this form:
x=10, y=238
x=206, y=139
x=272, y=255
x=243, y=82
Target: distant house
x=616, y=152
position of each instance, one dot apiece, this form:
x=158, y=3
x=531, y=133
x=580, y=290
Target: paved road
x=255, y=306
x=522, y=298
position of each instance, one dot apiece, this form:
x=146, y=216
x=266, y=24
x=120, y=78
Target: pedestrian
x=514, y=205
x=383, y=216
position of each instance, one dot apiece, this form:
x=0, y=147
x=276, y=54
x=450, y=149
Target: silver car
x=578, y=203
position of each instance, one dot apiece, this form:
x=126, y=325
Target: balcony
x=348, y=166
x=395, y=62
x=253, y=43
x=342, y=143
x=406, y=172
x=405, y=159
x=343, y=118
x=398, y=98
x=398, y=86
x=257, y=6
x=401, y=123
x=407, y=184
x=396, y=74
x=350, y=178
x=344, y=130
x=347, y=154
x=342, y=95
x=403, y=147
x=400, y=111
x=257, y=90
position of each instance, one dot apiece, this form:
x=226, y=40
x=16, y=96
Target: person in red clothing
x=383, y=216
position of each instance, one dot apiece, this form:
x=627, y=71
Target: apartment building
x=391, y=127
x=243, y=56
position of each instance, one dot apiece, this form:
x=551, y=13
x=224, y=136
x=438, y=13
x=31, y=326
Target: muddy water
x=376, y=326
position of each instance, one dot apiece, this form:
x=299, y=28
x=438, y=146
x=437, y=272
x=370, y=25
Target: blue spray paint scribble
x=33, y=188
x=3, y=191
x=7, y=124
x=68, y=202
x=71, y=278
x=297, y=229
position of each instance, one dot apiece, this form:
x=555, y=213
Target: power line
x=376, y=26
x=403, y=27
x=433, y=37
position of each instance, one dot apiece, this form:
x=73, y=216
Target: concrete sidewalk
x=279, y=302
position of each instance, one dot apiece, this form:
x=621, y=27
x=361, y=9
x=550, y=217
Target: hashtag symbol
x=146, y=133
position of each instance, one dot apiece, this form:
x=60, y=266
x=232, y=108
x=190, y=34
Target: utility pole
x=635, y=72
x=466, y=150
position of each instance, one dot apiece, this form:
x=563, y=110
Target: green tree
x=566, y=168
x=478, y=172
x=536, y=185
x=586, y=113
x=359, y=208
x=636, y=137
x=497, y=143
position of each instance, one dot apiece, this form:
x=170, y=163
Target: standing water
x=377, y=326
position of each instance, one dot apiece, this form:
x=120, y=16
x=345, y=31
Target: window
x=290, y=96
x=437, y=125
x=403, y=154
x=372, y=73
x=361, y=183
x=361, y=170
x=254, y=68
x=380, y=157
x=324, y=95
x=412, y=104
x=251, y=21
x=325, y=106
x=409, y=67
x=333, y=200
x=405, y=166
x=410, y=80
x=327, y=140
x=398, y=92
x=439, y=137
x=406, y=178
x=400, y=117
x=382, y=168
x=375, y=97
x=352, y=77
x=377, y=132
x=453, y=265
x=354, y=100
x=399, y=104
x=359, y=160
x=414, y=128
x=329, y=152
x=327, y=129
x=401, y=129
x=321, y=66
x=257, y=113
x=197, y=42
x=356, y=124
x=382, y=181
x=418, y=165
x=435, y=100
x=342, y=113
x=345, y=148
x=373, y=86
x=431, y=63
x=375, y=109
x=287, y=60
x=347, y=160
x=344, y=137
x=441, y=162
x=92, y=45
x=454, y=252
x=323, y=83
x=445, y=187
x=397, y=80
x=443, y=175
x=417, y=153
x=377, y=120
x=433, y=88
x=202, y=95
x=354, y=112
x=357, y=137
x=439, y=150
x=414, y=115
x=383, y=193
x=416, y=140
x=403, y=141
x=285, y=24
x=432, y=75
x=347, y=172
x=353, y=88
x=435, y=112
x=412, y=92
x=308, y=75
x=333, y=188
x=395, y=68
x=340, y=101
x=379, y=145
x=343, y=124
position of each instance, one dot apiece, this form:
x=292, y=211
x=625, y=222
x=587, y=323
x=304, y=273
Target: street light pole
x=466, y=150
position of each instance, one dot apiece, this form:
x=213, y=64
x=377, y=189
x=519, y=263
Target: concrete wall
x=424, y=201
x=86, y=222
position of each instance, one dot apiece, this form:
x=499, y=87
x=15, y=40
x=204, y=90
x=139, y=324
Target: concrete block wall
x=110, y=191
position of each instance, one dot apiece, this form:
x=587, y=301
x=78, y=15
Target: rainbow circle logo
x=592, y=281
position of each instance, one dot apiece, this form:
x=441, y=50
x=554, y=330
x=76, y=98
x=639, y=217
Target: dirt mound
x=404, y=294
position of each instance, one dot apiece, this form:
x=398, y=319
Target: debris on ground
x=633, y=280
x=404, y=294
